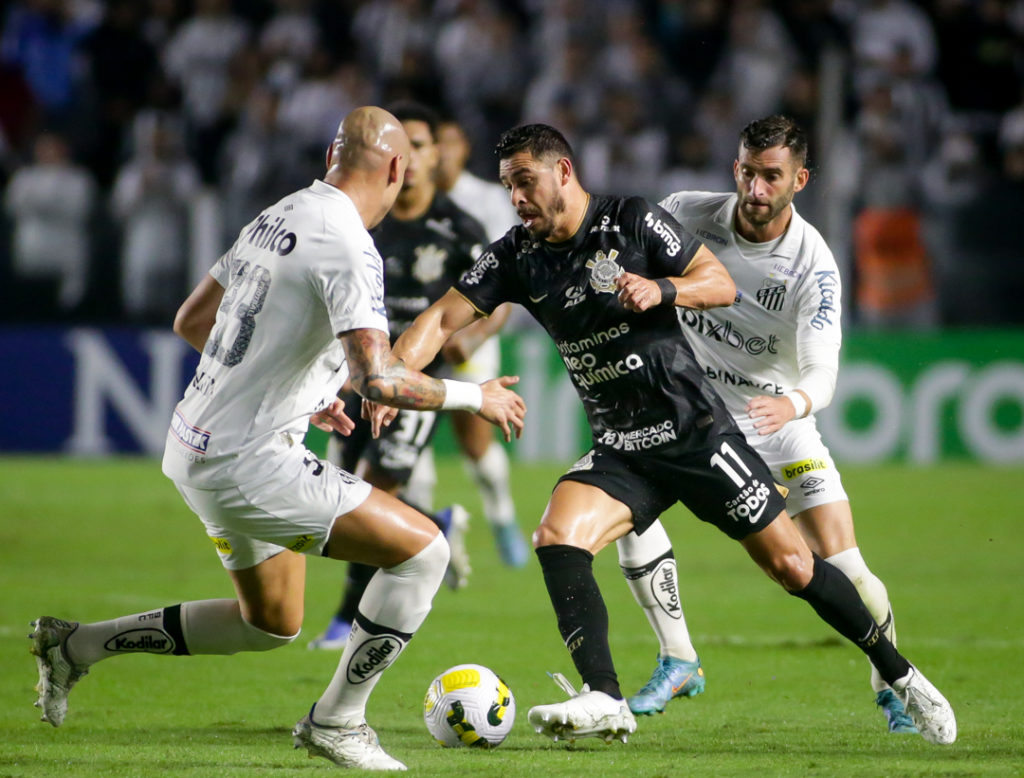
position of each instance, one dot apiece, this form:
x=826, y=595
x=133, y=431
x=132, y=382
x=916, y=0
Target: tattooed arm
x=378, y=376
x=384, y=380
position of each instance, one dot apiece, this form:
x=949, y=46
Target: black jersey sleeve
x=668, y=245
x=491, y=280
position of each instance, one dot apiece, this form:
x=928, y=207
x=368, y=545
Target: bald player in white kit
x=285, y=316
x=773, y=357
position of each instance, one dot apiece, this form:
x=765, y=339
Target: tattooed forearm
x=380, y=377
x=404, y=388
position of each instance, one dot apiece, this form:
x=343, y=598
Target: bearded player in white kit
x=285, y=316
x=773, y=357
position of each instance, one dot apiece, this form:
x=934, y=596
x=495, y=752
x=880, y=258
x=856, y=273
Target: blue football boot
x=897, y=716
x=671, y=678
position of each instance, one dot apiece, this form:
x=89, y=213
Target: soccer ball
x=468, y=705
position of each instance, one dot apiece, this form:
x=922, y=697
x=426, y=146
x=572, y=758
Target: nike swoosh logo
x=536, y=299
x=754, y=517
x=679, y=688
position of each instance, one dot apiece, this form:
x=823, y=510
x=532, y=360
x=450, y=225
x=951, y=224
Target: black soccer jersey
x=423, y=258
x=635, y=373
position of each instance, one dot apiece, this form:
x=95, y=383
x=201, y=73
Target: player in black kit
x=603, y=275
x=426, y=242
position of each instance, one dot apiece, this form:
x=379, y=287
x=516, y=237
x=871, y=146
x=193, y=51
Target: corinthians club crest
x=604, y=270
x=429, y=264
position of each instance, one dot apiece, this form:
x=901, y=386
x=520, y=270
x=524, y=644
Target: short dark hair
x=776, y=131
x=540, y=140
x=411, y=111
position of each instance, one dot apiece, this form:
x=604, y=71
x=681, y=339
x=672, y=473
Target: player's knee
x=547, y=535
x=428, y=564
x=791, y=569
x=257, y=639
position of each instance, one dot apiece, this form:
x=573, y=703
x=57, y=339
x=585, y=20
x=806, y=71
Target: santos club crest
x=604, y=270
x=772, y=294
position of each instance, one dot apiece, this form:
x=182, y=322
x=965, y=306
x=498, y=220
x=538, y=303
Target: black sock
x=582, y=615
x=835, y=599
x=356, y=581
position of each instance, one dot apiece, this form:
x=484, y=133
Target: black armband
x=668, y=291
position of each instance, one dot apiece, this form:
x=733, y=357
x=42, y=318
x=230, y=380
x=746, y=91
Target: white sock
x=650, y=569
x=491, y=474
x=419, y=489
x=393, y=606
x=198, y=627
x=872, y=591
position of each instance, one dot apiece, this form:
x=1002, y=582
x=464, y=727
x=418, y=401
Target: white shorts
x=483, y=365
x=294, y=509
x=800, y=461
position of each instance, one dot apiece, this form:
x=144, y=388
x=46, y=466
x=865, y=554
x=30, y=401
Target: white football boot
x=929, y=710
x=57, y=673
x=584, y=714
x=357, y=747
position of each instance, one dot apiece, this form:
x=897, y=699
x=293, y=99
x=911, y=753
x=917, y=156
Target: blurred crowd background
x=138, y=136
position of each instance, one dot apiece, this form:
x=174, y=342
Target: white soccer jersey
x=304, y=271
x=785, y=319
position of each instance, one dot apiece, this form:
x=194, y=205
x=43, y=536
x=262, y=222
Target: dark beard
x=557, y=207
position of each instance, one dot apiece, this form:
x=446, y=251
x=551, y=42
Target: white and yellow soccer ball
x=468, y=705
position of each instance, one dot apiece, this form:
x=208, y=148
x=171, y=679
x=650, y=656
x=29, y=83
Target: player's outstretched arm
x=378, y=376
x=464, y=343
x=197, y=315
x=704, y=284
x=419, y=344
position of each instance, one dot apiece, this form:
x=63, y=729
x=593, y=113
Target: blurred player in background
x=605, y=277
x=285, y=316
x=773, y=356
x=426, y=242
x=476, y=361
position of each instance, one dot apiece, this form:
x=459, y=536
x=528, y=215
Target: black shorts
x=395, y=452
x=725, y=483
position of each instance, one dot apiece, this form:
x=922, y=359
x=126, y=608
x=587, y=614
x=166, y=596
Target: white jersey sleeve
x=352, y=288
x=782, y=332
x=818, y=332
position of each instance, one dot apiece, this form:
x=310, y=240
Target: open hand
x=333, y=419
x=770, y=413
x=502, y=407
x=379, y=416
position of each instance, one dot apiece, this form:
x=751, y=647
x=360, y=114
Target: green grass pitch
x=91, y=540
